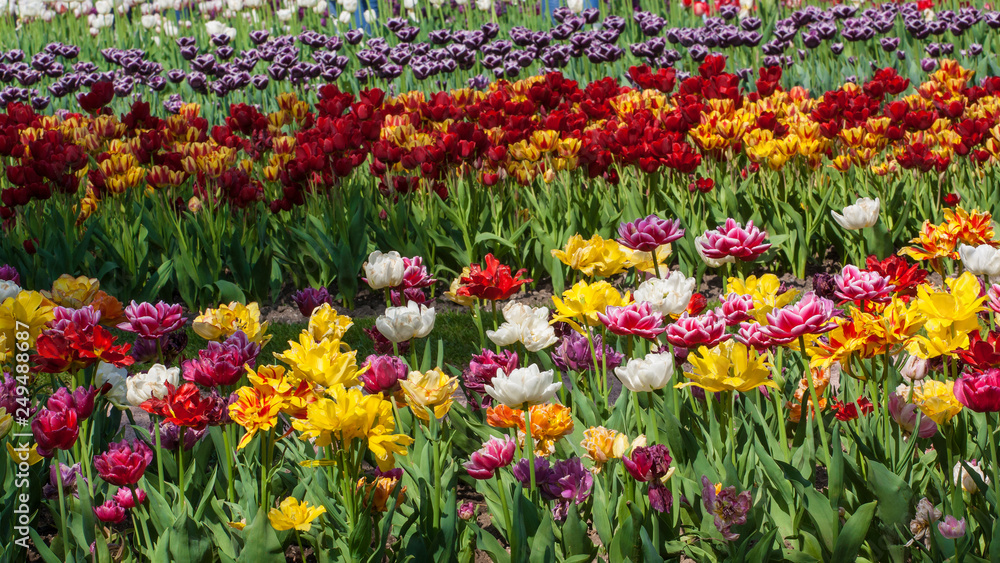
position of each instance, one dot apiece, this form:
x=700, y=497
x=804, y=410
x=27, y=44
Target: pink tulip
x=906, y=416
x=736, y=308
x=732, y=239
x=648, y=234
x=708, y=330
x=811, y=315
x=495, y=454
x=980, y=391
x=854, y=285
x=634, y=319
x=152, y=321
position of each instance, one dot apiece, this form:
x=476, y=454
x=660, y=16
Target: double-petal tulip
x=151, y=385
x=581, y=303
x=110, y=512
x=55, y=430
x=494, y=282
x=400, y=324
x=649, y=233
x=854, y=285
x=703, y=330
x=979, y=391
x=861, y=215
x=152, y=321
x=123, y=464
x=667, y=296
x=732, y=240
x=641, y=375
x=811, y=315
x=495, y=454
x=634, y=319
x=730, y=366
x=384, y=270
x=523, y=387
x=431, y=390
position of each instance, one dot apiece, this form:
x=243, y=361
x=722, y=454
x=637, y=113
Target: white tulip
x=118, y=378
x=284, y=14
x=344, y=17
x=962, y=477
x=861, y=215
x=400, y=324
x=575, y=6
x=370, y=16
x=145, y=386
x=484, y=5
x=349, y=5
x=668, y=296
x=914, y=369
x=523, y=388
x=384, y=270
x=699, y=245
x=8, y=289
x=982, y=260
x=641, y=375
x=525, y=324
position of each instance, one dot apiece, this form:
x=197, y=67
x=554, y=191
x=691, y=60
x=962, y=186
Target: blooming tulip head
x=732, y=241
x=400, y=324
x=647, y=234
x=492, y=283
x=641, y=375
x=525, y=324
x=861, y=215
x=811, y=315
x=68, y=474
x=429, y=390
x=979, y=391
x=383, y=374
x=110, y=512
x=982, y=260
x=152, y=384
x=634, y=319
x=523, y=387
x=125, y=497
x=291, y=514
x=496, y=453
x=688, y=331
x=667, y=296
x=152, y=321
x=481, y=371
x=8, y=289
x=854, y=285
x=906, y=416
x=123, y=464
x=573, y=353
x=55, y=430
x=951, y=527
x=384, y=270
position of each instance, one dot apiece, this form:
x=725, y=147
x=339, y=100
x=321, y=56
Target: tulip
x=483, y=368
x=730, y=509
x=309, y=298
x=383, y=374
x=906, y=416
x=735, y=308
x=111, y=381
x=861, y=215
x=493, y=283
x=68, y=474
x=151, y=384
x=646, y=235
x=124, y=496
x=9, y=273
x=707, y=330
x=854, y=285
x=222, y=363
x=384, y=270
x=55, y=430
x=81, y=401
x=732, y=240
x=152, y=321
x=982, y=260
x=525, y=324
x=979, y=392
x=110, y=512
x=962, y=476
x=523, y=387
x=914, y=368
x=667, y=296
x=291, y=514
x=400, y=324
x=648, y=463
x=573, y=353
x=951, y=527
x=634, y=319
x=431, y=390
x=495, y=454
x=642, y=375
x=811, y=315
x=8, y=289
x=993, y=298
x=467, y=510
x=123, y=464
x=701, y=244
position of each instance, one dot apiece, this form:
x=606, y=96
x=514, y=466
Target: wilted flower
x=523, y=387
x=68, y=474
x=291, y=514
x=861, y=215
x=641, y=375
x=728, y=507
x=924, y=517
x=384, y=270
x=400, y=324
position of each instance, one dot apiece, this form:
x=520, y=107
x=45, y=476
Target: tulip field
x=499, y=281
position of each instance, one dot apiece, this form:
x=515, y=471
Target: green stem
x=815, y=402
x=529, y=444
x=180, y=467
x=994, y=459
x=142, y=519
x=298, y=540
x=503, y=503
x=62, y=506
x=656, y=264
x=159, y=456
x=231, y=485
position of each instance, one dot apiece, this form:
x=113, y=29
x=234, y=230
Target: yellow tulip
x=71, y=292
x=218, y=324
x=293, y=514
x=321, y=363
x=429, y=390
x=255, y=410
x=582, y=302
x=326, y=324
x=730, y=366
x=937, y=400
x=594, y=257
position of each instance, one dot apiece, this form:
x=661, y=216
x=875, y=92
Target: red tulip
x=980, y=392
x=493, y=283
x=122, y=464
x=184, y=406
x=55, y=430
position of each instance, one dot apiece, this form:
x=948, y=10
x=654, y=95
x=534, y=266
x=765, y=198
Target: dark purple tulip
x=259, y=36
x=974, y=50
x=354, y=36
x=889, y=44
x=39, y=103
x=173, y=104
x=259, y=81
x=15, y=55
x=901, y=55
x=837, y=48
x=189, y=53
x=928, y=64
x=590, y=15
x=9, y=273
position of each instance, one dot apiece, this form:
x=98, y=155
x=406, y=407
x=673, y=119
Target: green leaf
x=189, y=541
x=892, y=492
x=854, y=532
x=42, y=549
x=543, y=546
x=262, y=543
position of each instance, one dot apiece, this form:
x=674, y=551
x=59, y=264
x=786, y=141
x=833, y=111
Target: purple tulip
x=9, y=273
x=481, y=371
x=309, y=298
